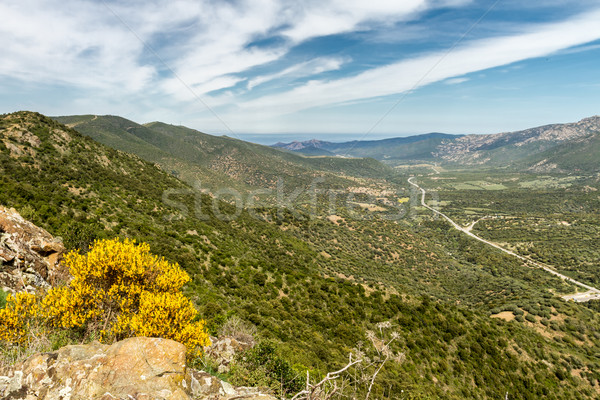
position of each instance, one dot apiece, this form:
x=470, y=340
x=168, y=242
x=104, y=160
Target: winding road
x=591, y=294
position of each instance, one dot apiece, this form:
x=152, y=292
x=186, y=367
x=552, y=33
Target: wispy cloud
x=308, y=68
x=82, y=43
x=409, y=74
x=69, y=42
x=456, y=81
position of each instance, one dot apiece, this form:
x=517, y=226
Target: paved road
x=590, y=294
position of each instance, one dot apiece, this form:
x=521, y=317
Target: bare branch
x=310, y=390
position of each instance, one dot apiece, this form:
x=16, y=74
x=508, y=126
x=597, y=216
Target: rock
x=136, y=368
x=223, y=351
x=29, y=256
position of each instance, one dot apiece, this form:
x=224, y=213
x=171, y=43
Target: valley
x=342, y=245
x=591, y=294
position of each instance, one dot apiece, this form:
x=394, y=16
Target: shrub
x=262, y=366
x=519, y=318
x=531, y=318
x=238, y=329
x=120, y=289
x=2, y=299
x=15, y=318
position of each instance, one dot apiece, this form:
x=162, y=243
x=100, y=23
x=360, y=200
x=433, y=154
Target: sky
x=330, y=69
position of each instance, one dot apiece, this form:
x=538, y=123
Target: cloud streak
x=413, y=73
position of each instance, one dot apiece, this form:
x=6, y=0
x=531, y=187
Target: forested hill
x=217, y=161
x=276, y=274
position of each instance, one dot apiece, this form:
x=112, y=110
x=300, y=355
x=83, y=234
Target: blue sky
x=328, y=68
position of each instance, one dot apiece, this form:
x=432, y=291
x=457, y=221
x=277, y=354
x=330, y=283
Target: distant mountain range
x=557, y=147
x=216, y=160
x=403, y=148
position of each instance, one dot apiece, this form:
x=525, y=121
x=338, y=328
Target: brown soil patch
x=325, y=254
x=505, y=315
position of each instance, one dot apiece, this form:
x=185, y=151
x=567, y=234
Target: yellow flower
x=121, y=289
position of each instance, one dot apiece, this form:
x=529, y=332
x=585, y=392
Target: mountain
x=297, y=146
x=556, y=147
x=503, y=149
x=411, y=148
x=219, y=161
x=314, y=284
x=581, y=154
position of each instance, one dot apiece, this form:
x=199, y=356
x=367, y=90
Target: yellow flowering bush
x=16, y=317
x=155, y=309
x=120, y=289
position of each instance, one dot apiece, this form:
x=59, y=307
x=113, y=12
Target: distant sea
x=272, y=138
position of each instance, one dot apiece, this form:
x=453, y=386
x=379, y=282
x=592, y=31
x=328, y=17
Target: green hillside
x=314, y=284
x=577, y=156
x=219, y=162
x=413, y=148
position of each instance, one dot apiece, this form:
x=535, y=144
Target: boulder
x=29, y=256
x=136, y=368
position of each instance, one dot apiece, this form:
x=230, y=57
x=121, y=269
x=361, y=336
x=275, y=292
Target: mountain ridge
x=219, y=161
x=525, y=149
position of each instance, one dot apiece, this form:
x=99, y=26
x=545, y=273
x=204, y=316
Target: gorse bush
x=16, y=317
x=119, y=289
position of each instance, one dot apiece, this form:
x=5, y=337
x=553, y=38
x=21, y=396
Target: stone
x=223, y=351
x=29, y=256
x=136, y=368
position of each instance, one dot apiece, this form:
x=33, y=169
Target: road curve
x=592, y=292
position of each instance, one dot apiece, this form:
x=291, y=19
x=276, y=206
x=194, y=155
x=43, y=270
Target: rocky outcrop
x=224, y=350
x=135, y=368
x=29, y=255
x=473, y=149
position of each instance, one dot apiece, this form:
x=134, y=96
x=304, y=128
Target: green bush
x=519, y=318
x=531, y=318
x=3, y=295
x=262, y=366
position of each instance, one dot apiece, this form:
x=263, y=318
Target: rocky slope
x=136, y=368
x=29, y=255
x=507, y=146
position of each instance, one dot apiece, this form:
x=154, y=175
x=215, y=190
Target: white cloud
x=99, y=45
x=308, y=68
x=409, y=74
x=69, y=43
x=314, y=18
x=456, y=81
x=221, y=46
